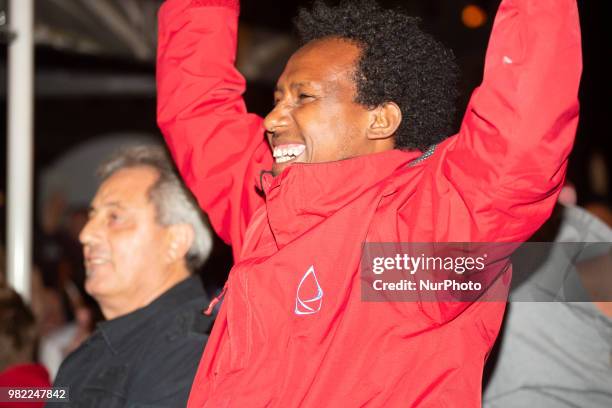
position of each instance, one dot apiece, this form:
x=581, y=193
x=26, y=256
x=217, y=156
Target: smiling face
x=316, y=118
x=123, y=244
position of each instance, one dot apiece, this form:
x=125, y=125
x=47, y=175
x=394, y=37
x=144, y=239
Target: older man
x=144, y=237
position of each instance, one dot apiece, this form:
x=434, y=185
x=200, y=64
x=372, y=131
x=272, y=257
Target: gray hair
x=173, y=203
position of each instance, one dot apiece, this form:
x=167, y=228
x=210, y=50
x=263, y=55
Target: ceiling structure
x=107, y=47
x=125, y=30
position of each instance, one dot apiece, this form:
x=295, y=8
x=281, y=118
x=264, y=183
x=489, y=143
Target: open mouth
x=287, y=152
x=93, y=263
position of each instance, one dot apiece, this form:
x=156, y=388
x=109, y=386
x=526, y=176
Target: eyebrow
x=295, y=85
x=113, y=204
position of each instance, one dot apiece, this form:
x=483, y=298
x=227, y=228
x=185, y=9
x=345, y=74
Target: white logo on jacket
x=309, y=295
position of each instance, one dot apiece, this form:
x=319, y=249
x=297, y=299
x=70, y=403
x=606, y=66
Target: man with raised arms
x=358, y=151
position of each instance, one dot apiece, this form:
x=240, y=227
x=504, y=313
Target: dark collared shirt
x=147, y=358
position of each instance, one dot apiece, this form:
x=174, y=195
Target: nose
x=277, y=119
x=89, y=232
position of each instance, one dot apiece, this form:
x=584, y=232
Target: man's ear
x=384, y=121
x=181, y=237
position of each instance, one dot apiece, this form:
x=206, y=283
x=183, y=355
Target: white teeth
x=286, y=153
x=299, y=149
x=278, y=152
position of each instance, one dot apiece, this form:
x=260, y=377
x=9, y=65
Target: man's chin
x=277, y=168
x=92, y=289
x=95, y=282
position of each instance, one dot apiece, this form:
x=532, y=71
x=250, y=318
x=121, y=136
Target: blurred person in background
x=599, y=203
x=18, y=337
x=58, y=336
x=144, y=237
x=58, y=253
x=63, y=310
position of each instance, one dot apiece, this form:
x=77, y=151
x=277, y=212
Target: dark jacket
x=147, y=358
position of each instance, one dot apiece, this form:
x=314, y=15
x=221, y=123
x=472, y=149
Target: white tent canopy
x=109, y=27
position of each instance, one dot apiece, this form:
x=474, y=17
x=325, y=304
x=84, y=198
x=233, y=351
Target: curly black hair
x=398, y=63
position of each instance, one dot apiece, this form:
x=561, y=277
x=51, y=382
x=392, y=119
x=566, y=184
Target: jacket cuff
x=232, y=4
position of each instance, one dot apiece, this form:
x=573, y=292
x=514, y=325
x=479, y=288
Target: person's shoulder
x=582, y=225
x=79, y=359
x=189, y=319
x=176, y=342
x=184, y=320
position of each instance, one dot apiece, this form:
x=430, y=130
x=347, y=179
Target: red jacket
x=495, y=181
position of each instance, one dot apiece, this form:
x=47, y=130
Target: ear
x=180, y=239
x=384, y=121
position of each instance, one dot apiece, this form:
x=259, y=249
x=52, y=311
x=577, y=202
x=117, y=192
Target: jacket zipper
x=215, y=300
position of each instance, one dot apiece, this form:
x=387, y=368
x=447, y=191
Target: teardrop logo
x=309, y=296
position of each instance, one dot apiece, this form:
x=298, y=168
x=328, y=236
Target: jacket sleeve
x=510, y=156
x=218, y=147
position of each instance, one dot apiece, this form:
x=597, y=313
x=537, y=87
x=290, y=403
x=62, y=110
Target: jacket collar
x=305, y=193
x=118, y=331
